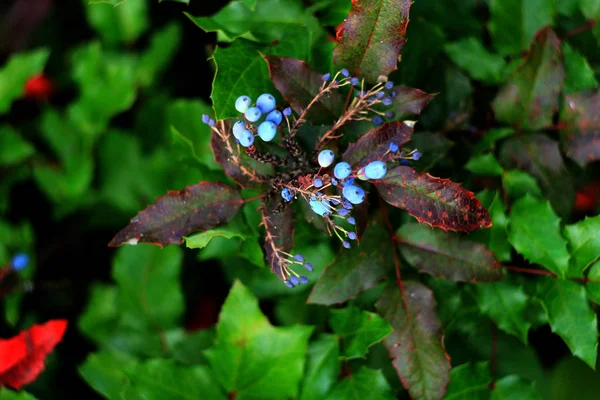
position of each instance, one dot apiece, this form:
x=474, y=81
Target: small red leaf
x=375, y=143
x=438, y=202
x=581, y=139
x=178, y=213
x=279, y=236
x=22, y=357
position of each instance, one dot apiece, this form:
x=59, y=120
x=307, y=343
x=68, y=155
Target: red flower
x=38, y=87
x=22, y=357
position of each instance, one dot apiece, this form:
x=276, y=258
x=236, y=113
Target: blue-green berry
x=351, y=235
x=326, y=158
x=253, y=114
x=19, y=261
x=348, y=182
x=376, y=170
x=243, y=103
x=275, y=117
x=334, y=181
x=246, y=138
x=342, y=170
x=266, y=103
x=353, y=194
x=320, y=207
x=238, y=128
x=267, y=131
x=360, y=174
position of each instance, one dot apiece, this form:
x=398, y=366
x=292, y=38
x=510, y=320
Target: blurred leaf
x=13, y=148
x=356, y=269
x=498, y=242
x=447, y=255
x=470, y=55
x=253, y=359
x=491, y=137
x=590, y=9
x=531, y=96
x=517, y=184
x=484, y=164
x=438, y=202
x=579, y=73
x=190, y=348
x=164, y=44
x=514, y=388
x=198, y=207
x=121, y=23
x=514, y=23
x=371, y=37
x=593, y=285
x=186, y=2
x=469, y=382
x=434, y=147
x=7, y=394
x=376, y=142
x=534, y=231
x=571, y=317
x=365, y=384
x=584, y=245
x=541, y=157
x=358, y=330
x=581, y=138
x=322, y=367
x=567, y=7
x=570, y=376
x=505, y=303
x=416, y=344
x=330, y=12
x=15, y=73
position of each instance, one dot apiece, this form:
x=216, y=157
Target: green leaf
x=489, y=139
x=253, y=359
x=581, y=136
x=506, y=304
x=514, y=388
x=584, y=244
x=371, y=38
x=571, y=317
x=201, y=240
x=534, y=231
x=470, y=55
x=190, y=348
x=513, y=23
x=122, y=23
x=447, y=255
x=322, y=367
x=593, y=286
x=517, y=184
x=7, y=394
x=164, y=44
x=15, y=73
x=356, y=269
x=531, y=96
x=579, y=73
x=571, y=375
x=331, y=12
x=13, y=148
x=590, y=9
x=469, y=382
x=484, y=164
x=358, y=330
x=364, y=384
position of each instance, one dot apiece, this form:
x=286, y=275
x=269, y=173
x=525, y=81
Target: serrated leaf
x=358, y=330
x=447, y=255
x=571, y=317
x=498, y=242
x=407, y=102
x=356, y=269
x=438, y=202
x=517, y=184
x=299, y=84
x=579, y=73
x=13, y=148
x=15, y=73
x=322, y=367
x=541, y=157
x=376, y=142
x=416, y=344
x=470, y=55
x=534, y=231
x=371, y=38
x=252, y=359
x=513, y=387
x=581, y=138
x=505, y=303
x=364, y=384
x=593, y=285
x=279, y=236
x=484, y=164
x=491, y=137
x=123, y=22
x=198, y=207
x=513, y=23
x=469, y=382
x=201, y=240
x=584, y=244
x=531, y=96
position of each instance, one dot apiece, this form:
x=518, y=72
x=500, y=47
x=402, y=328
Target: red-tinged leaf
x=447, y=255
x=581, y=138
x=531, y=96
x=416, y=344
x=236, y=164
x=356, y=269
x=178, y=213
x=371, y=38
x=279, y=236
x=438, y=202
x=22, y=357
x=299, y=84
x=375, y=143
x=541, y=157
x=408, y=102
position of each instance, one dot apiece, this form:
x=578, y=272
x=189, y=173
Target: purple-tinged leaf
x=299, y=84
x=408, y=102
x=376, y=142
x=279, y=236
x=531, y=96
x=371, y=38
x=438, y=202
x=581, y=139
x=416, y=344
x=178, y=213
x=356, y=269
x=447, y=255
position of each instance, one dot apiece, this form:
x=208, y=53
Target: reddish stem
x=348, y=98
x=585, y=27
x=254, y=198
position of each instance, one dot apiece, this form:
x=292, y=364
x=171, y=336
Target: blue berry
x=354, y=81
x=351, y=220
x=379, y=95
x=288, y=283
x=211, y=122
x=326, y=77
x=335, y=202
x=361, y=174
x=205, y=119
x=348, y=182
x=343, y=212
x=304, y=279
x=345, y=72
x=393, y=147
x=376, y=170
x=295, y=280
x=19, y=261
x=309, y=267
x=393, y=94
x=287, y=112
x=342, y=170
x=389, y=85
x=351, y=235
x=287, y=194
x=416, y=155
x=318, y=182
x=266, y=103
x=246, y=138
x=404, y=162
x=326, y=158
x=353, y=194
x=299, y=257
x=347, y=205
x=238, y=128
x=253, y=114
x=243, y=103
x=334, y=181
x=320, y=207
x=346, y=244
x=377, y=120
x=387, y=101
x=275, y=117
x=389, y=114
x=267, y=131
